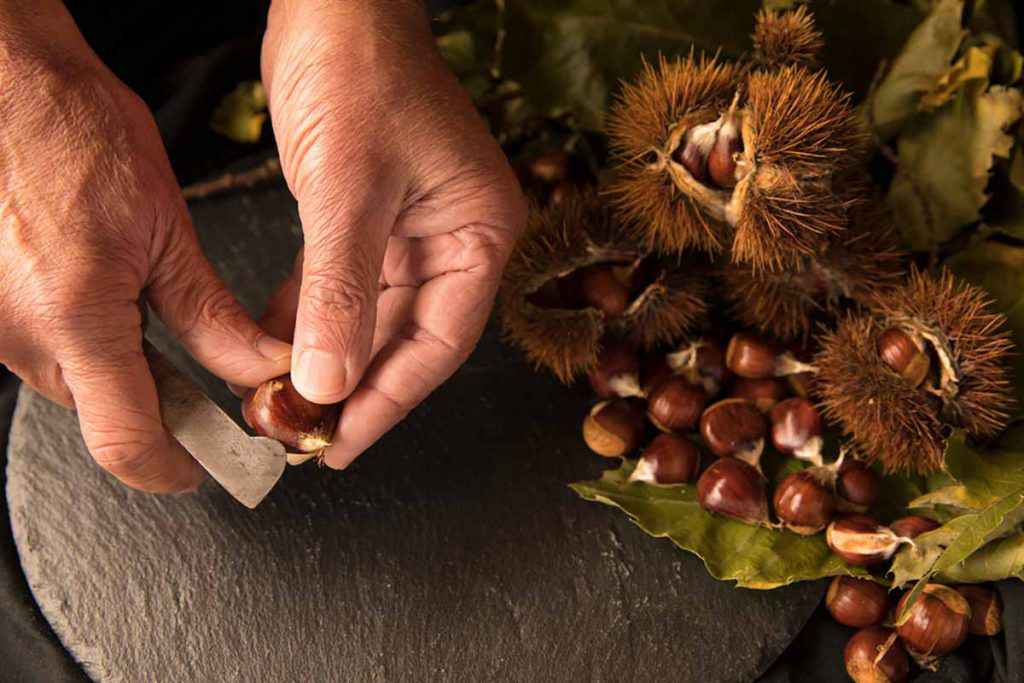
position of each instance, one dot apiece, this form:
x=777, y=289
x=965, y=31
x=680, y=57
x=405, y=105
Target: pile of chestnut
x=731, y=403
x=937, y=623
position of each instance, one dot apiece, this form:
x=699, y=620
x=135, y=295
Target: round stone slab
x=452, y=550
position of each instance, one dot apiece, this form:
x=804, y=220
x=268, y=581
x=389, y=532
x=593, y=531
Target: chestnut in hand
x=803, y=503
x=276, y=410
x=875, y=655
x=614, y=428
x=732, y=488
x=669, y=459
x=675, y=405
x=936, y=624
x=856, y=602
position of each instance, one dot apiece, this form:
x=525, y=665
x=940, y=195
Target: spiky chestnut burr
x=935, y=624
x=276, y=410
x=786, y=38
x=711, y=155
x=549, y=309
x=669, y=459
x=857, y=603
x=875, y=655
x=852, y=270
x=968, y=386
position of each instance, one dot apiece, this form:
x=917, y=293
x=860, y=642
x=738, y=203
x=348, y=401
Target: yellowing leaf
x=1000, y=559
x=240, y=115
x=974, y=65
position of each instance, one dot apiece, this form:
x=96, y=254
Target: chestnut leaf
x=1000, y=559
x=753, y=556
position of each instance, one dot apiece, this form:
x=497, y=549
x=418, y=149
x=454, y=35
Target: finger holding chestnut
x=277, y=411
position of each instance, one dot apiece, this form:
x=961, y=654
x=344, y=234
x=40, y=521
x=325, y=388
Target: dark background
x=182, y=57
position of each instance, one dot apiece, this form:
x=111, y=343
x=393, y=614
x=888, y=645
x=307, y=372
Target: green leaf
x=917, y=69
x=941, y=187
x=753, y=556
x=240, y=115
x=1000, y=559
x=952, y=543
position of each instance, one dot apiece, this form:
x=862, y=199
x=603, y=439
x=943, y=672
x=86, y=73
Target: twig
x=268, y=170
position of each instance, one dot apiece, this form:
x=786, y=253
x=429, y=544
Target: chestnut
x=803, y=503
x=858, y=486
x=800, y=383
x=904, y=354
x=986, y=610
x=749, y=355
x=692, y=156
x=763, y=393
x=675, y=405
x=701, y=362
x=721, y=161
x=603, y=290
x=734, y=427
x=796, y=429
x=668, y=459
x=861, y=541
x=617, y=372
x=936, y=623
x=550, y=167
x=732, y=488
x=913, y=526
x=275, y=409
x=613, y=428
x=857, y=602
x=875, y=655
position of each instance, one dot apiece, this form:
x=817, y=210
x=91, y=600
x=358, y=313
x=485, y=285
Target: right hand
x=91, y=223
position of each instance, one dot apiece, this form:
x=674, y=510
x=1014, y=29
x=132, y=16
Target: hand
x=92, y=222
x=408, y=208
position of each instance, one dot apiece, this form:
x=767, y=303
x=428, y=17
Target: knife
x=246, y=466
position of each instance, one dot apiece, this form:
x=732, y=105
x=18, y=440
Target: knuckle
x=131, y=460
x=487, y=249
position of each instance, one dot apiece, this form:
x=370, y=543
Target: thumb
x=199, y=310
x=346, y=222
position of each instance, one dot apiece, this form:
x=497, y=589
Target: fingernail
x=319, y=375
x=273, y=348
x=237, y=389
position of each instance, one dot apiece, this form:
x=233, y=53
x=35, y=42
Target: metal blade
x=246, y=466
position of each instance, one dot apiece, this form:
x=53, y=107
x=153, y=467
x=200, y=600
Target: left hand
x=408, y=207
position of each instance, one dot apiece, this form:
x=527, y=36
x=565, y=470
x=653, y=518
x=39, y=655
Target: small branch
x=268, y=170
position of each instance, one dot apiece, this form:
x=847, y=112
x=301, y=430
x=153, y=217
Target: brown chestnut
x=734, y=427
x=858, y=486
x=613, y=428
x=617, y=372
x=276, y=410
x=803, y=503
x=601, y=289
x=764, y=392
x=986, y=610
x=913, y=526
x=857, y=602
x=550, y=167
x=875, y=655
x=905, y=355
x=749, y=355
x=701, y=362
x=653, y=370
x=797, y=428
x=861, y=541
x=668, y=459
x=675, y=405
x=732, y=488
x=722, y=157
x=936, y=623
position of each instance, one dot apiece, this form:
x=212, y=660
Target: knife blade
x=246, y=466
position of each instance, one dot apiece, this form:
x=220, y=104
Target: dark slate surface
x=451, y=551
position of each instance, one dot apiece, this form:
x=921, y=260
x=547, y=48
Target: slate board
x=453, y=550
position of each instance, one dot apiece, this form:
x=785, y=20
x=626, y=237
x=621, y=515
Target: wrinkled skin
x=408, y=208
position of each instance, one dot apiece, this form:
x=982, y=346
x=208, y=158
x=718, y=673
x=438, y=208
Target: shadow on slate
x=452, y=550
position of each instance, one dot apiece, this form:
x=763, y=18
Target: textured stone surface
x=451, y=551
